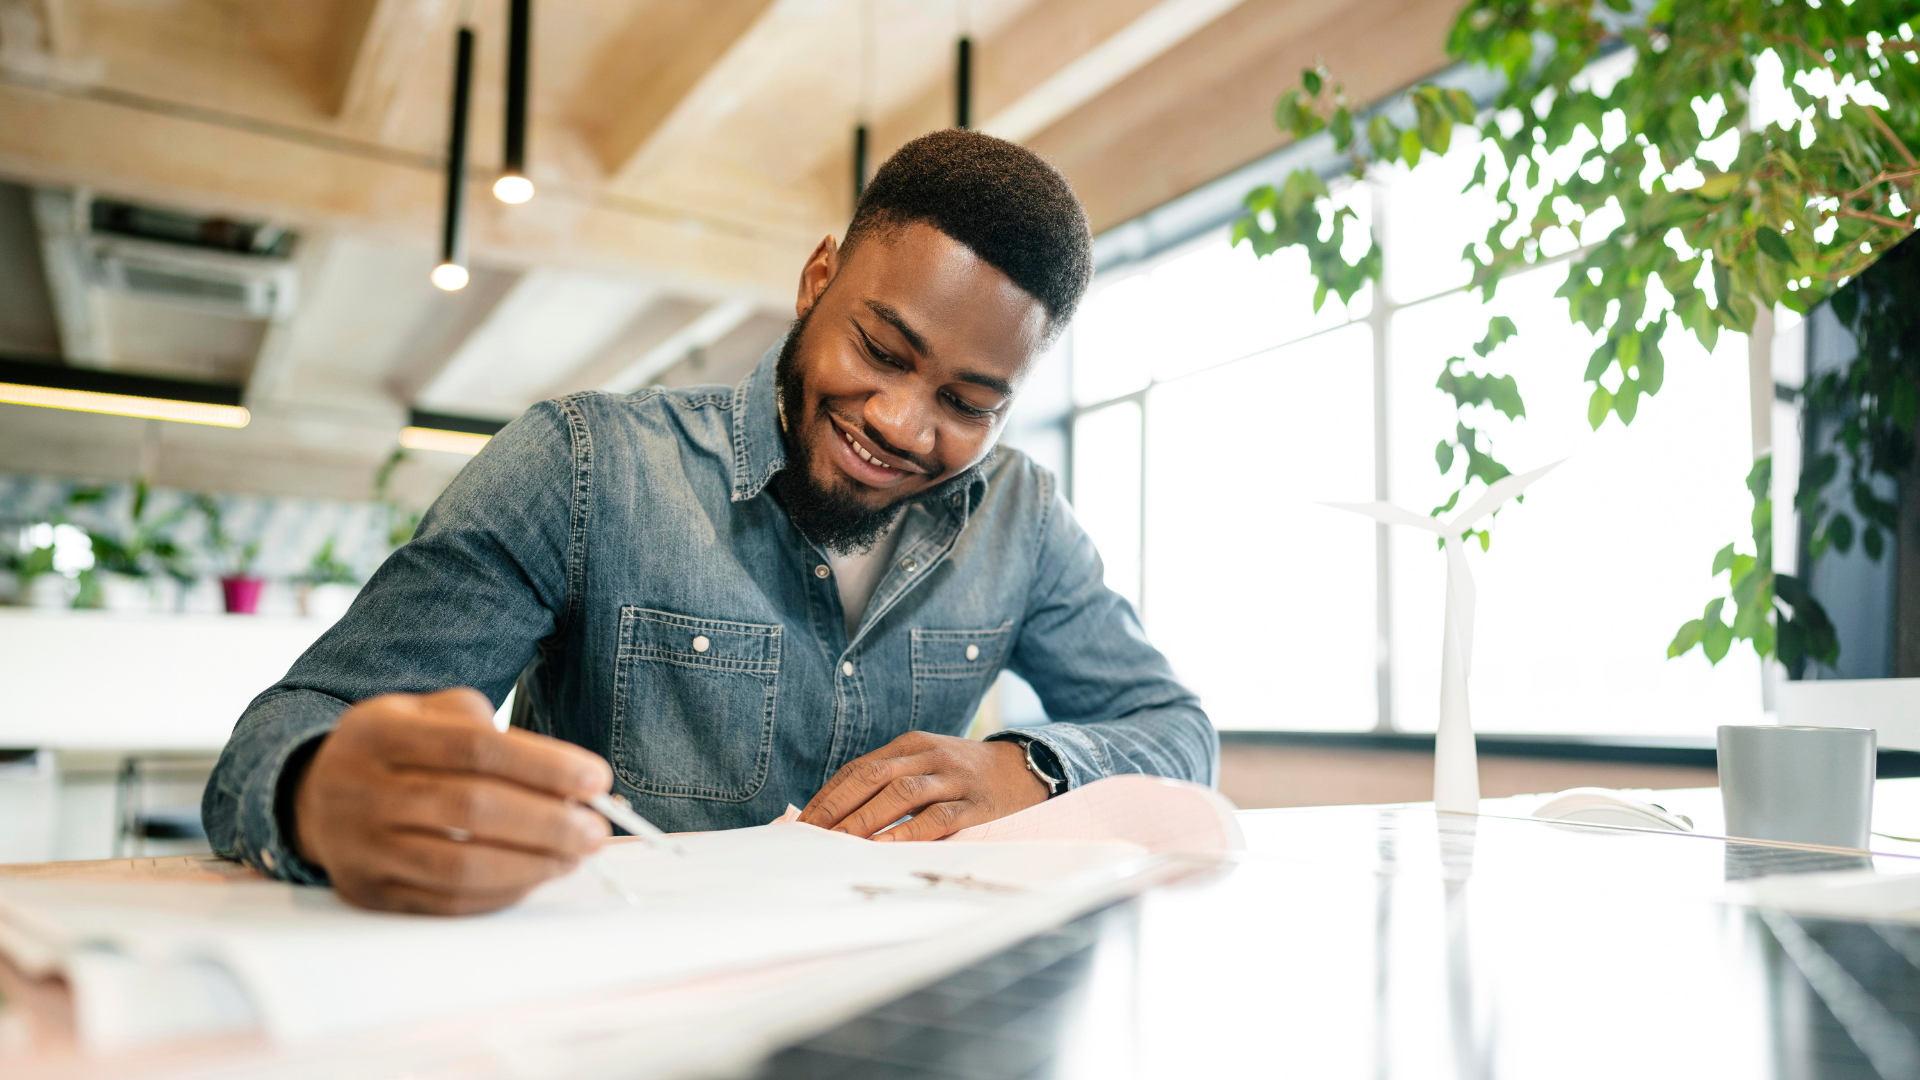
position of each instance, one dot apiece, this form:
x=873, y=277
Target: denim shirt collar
x=760, y=451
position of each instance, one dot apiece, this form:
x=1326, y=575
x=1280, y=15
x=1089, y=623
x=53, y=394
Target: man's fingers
x=386, y=895
x=907, y=794
x=494, y=811
x=439, y=864
x=446, y=735
x=942, y=819
x=856, y=783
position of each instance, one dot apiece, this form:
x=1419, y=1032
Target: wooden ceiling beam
x=1205, y=107
x=37, y=29
x=1033, y=47
x=65, y=139
x=378, y=49
x=648, y=67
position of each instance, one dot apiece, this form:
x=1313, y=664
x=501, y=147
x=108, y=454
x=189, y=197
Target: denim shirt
x=622, y=558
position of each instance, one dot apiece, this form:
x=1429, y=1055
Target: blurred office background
x=249, y=197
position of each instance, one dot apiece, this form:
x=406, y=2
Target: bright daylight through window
x=1215, y=412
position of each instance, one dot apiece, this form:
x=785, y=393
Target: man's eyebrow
x=998, y=386
x=893, y=319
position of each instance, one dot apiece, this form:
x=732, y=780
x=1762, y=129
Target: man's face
x=899, y=376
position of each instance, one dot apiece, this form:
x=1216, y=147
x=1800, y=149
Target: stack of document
x=150, y=962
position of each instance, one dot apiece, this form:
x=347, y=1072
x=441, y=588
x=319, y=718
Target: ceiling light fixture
x=963, y=71
x=451, y=274
x=56, y=386
x=447, y=434
x=513, y=185
x=863, y=108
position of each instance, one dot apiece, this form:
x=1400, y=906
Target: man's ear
x=816, y=275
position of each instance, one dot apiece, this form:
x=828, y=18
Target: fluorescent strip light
x=185, y=412
x=450, y=442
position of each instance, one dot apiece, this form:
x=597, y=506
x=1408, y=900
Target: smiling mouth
x=866, y=454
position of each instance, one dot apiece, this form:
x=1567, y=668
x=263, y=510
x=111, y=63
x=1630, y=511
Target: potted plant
x=32, y=567
x=127, y=564
x=328, y=585
x=239, y=587
x=1715, y=218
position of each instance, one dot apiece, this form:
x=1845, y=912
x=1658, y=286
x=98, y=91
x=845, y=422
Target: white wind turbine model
x=1456, y=767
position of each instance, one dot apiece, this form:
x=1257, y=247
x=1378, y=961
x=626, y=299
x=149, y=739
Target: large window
x=1215, y=412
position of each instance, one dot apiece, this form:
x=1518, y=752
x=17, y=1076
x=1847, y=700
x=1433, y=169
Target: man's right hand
x=416, y=803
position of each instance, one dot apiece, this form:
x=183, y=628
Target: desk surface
x=1373, y=942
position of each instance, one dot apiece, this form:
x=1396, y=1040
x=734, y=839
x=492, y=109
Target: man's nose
x=904, y=419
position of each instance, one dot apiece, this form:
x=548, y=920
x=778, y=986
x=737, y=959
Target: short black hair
x=999, y=199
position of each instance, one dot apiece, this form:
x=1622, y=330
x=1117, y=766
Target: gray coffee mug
x=1802, y=785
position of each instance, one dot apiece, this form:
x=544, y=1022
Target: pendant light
x=864, y=107
x=963, y=70
x=513, y=185
x=963, y=85
x=451, y=274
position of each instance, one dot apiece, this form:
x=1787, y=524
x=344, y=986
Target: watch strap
x=1043, y=763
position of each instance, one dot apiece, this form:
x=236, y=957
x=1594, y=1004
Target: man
x=719, y=601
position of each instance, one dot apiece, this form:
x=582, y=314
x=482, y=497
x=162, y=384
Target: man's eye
x=966, y=409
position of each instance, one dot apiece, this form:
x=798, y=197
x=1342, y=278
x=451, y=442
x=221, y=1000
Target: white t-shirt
x=858, y=575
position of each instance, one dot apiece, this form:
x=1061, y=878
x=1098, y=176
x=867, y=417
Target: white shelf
x=88, y=680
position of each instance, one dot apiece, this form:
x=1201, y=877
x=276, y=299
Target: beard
x=832, y=517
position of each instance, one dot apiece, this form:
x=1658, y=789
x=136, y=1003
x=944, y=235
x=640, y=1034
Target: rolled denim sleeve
x=1115, y=704
x=488, y=575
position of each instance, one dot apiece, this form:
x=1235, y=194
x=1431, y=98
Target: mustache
x=931, y=468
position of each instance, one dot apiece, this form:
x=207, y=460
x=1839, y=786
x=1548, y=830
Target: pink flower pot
x=242, y=594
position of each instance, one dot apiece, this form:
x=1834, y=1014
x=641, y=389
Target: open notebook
x=153, y=961
x=1164, y=816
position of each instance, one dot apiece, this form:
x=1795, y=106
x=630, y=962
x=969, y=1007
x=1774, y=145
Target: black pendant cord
x=963, y=85
x=519, y=39
x=859, y=162
x=451, y=248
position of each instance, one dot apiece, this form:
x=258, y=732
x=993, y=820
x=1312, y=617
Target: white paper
x=1160, y=814
x=1865, y=895
x=311, y=966
x=1456, y=768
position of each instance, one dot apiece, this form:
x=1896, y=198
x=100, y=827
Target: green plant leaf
x=1310, y=79
x=1410, y=147
x=1773, y=244
x=1383, y=135
x=1342, y=128
x=1686, y=638
x=1499, y=329
x=1443, y=456
x=1716, y=637
x=1435, y=128
x=1598, y=406
x=1723, y=560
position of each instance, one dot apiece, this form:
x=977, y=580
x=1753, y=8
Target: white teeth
x=864, y=454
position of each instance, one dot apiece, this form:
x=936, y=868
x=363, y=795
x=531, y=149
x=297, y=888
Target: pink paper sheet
x=1159, y=814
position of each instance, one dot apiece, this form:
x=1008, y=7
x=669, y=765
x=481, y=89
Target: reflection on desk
x=1376, y=942
x=1395, y=942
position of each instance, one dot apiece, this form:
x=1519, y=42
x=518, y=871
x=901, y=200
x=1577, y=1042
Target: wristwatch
x=1043, y=763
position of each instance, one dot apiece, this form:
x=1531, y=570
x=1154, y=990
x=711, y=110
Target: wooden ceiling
x=692, y=150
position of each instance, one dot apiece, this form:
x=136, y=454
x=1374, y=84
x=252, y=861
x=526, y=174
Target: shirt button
x=266, y=858
x=821, y=571
x=909, y=565
x=700, y=643
x=973, y=652
x=846, y=668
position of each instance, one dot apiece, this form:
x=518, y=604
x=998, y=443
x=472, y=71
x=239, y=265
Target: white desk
x=88, y=680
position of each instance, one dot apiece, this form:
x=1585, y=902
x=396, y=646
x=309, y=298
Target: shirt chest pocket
x=694, y=705
x=951, y=672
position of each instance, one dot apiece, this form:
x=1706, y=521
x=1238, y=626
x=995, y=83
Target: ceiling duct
x=239, y=286
x=207, y=264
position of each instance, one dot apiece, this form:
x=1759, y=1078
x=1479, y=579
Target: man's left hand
x=947, y=784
